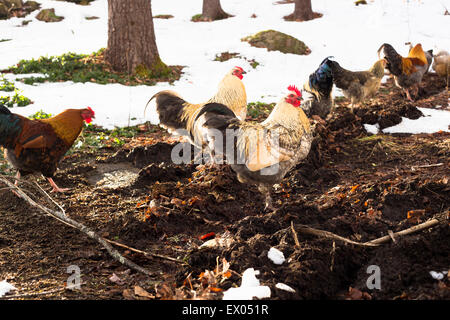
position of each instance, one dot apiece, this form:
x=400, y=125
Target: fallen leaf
x=139, y=291
x=128, y=294
x=114, y=278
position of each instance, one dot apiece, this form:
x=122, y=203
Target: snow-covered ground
x=352, y=34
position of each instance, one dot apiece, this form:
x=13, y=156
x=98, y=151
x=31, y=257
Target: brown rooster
x=180, y=116
x=38, y=145
x=357, y=85
x=407, y=72
x=260, y=153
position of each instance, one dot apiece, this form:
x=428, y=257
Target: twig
x=75, y=224
x=439, y=218
x=330, y=235
x=297, y=243
x=33, y=294
x=147, y=254
x=427, y=166
x=427, y=224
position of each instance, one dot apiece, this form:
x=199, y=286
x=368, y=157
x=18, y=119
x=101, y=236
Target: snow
x=372, y=128
x=5, y=287
x=284, y=287
x=276, y=256
x=438, y=275
x=352, y=34
x=433, y=121
x=250, y=288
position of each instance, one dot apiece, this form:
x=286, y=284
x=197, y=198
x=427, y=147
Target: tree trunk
x=131, y=38
x=302, y=11
x=212, y=10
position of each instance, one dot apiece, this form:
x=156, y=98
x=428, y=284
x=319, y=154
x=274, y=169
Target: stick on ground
x=61, y=216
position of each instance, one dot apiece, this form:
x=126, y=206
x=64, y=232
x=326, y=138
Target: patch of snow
x=432, y=121
x=276, y=256
x=284, y=287
x=195, y=45
x=250, y=288
x=438, y=275
x=372, y=128
x=5, y=287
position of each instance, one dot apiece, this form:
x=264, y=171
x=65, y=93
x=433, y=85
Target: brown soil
x=352, y=184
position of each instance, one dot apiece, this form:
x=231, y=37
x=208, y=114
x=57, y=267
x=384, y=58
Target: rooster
x=38, y=145
x=180, y=116
x=319, y=86
x=357, y=85
x=260, y=153
x=407, y=72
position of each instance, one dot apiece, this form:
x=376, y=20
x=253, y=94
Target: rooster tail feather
x=418, y=53
x=170, y=109
x=10, y=127
x=217, y=116
x=321, y=81
x=394, y=60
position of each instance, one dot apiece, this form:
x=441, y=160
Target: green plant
x=90, y=68
x=6, y=85
x=258, y=109
x=15, y=100
x=40, y=115
x=94, y=137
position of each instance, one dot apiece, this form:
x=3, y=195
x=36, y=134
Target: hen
x=441, y=63
x=319, y=86
x=38, y=145
x=260, y=153
x=407, y=72
x=357, y=85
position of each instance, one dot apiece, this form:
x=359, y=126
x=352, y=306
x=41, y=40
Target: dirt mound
x=353, y=184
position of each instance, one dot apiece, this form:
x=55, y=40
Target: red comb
x=294, y=88
x=90, y=109
x=236, y=67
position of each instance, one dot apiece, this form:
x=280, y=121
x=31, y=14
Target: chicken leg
x=55, y=187
x=265, y=190
x=17, y=177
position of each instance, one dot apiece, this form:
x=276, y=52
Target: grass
x=259, y=110
x=15, y=100
x=225, y=56
x=6, y=85
x=40, y=115
x=94, y=137
x=85, y=68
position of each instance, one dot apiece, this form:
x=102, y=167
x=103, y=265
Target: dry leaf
x=128, y=294
x=114, y=278
x=142, y=293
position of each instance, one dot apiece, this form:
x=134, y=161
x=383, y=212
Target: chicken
x=38, y=145
x=441, y=64
x=260, y=153
x=318, y=88
x=357, y=85
x=407, y=72
x=180, y=116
